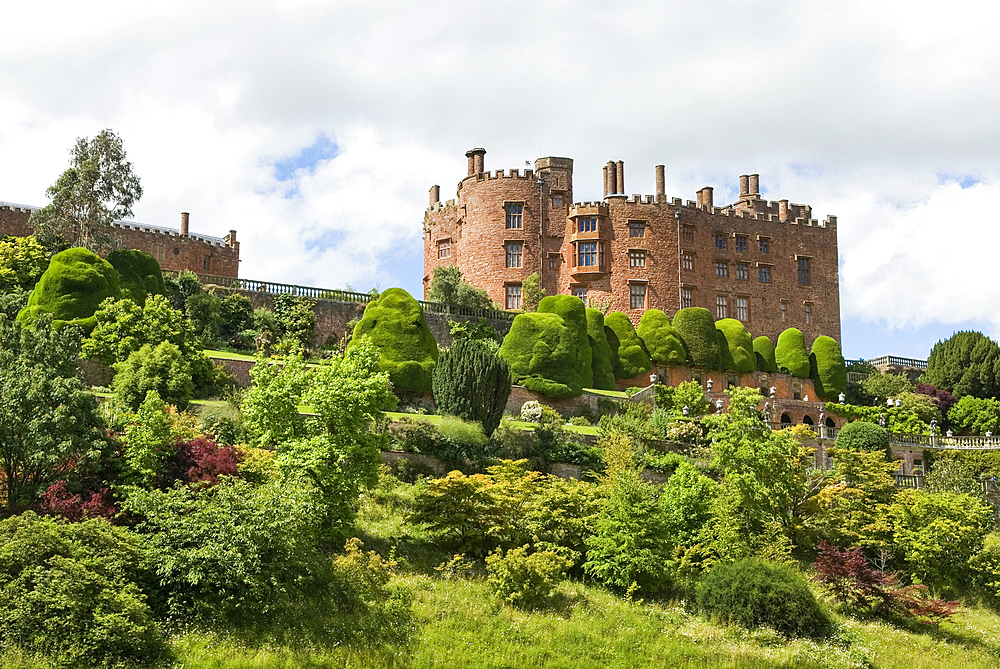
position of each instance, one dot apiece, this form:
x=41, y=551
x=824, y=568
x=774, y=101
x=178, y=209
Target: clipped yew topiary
x=472, y=382
x=790, y=354
x=860, y=435
x=601, y=365
x=394, y=323
x=697, y=330
x=763, y=350
x=831, y=370
x=75, y=283
x=574, y=314
x=139, y=275
x=662, y=339
x=613, y=345
x=631, y=354
x=542, y=355
x=739, y=354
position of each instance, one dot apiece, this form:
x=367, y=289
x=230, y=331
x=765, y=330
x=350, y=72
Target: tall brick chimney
x=606, y=181
x=620, y=174
x=475, y=157
x=185, y=220
x=661, y=183
x=612, y=183
x=435, y=195
x=782, y=210
x=705, y=197
x=755, y=184
x=232, y=238
x=744, y=185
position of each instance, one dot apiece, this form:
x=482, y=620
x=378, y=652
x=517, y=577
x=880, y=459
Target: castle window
x=784, y=312
x=687, y=233
x=803, y=271
x=742, y=271
x=206, y=264
x=687, y=298
x=587, y=225
x=636, y=228
x=514, y=250
x=581, y=292
x=721, y=270
x=687, y=260
x=764, y=273
x=514, y=296
x=587, y=254
x=721, y=307
x=742, y=311
x=809, y=314
x=515, y=215
x=160, y=251
x=636, y=258
x=741, y=243
x=444, y=248
x=720, y=241
x=554, y=262
x=557, y=201
x=637, y=295
x=764, y=241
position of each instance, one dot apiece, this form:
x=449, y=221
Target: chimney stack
x=782, y=210
x=185, y=220
x=755, y=184
x=435, y=195
x=661, y=184
x=620, y=174
x=605, y=181
x=705, y=197
x=232, y=238
x=475, y=157
x=611, y=184
x=744, y=185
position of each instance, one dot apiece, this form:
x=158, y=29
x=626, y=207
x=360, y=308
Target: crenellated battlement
x=597, y=208
x=513, y=173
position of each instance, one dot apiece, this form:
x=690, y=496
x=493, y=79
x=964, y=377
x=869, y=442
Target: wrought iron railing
x=273, y=288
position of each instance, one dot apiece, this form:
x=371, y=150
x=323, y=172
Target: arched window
x=830, y=423
x=807, y=420
x=785, y=420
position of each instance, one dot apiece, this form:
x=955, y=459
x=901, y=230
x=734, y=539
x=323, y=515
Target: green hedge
x=861, y=435
x=831, y=370
x=395, y=324
x=739, y=354
x=697, y=330
x=71, y=289
x=631, y=354
x=791, y=355
x=574, y=314
x=662, y=339
x=542, y=355
x=139, y=275
x=763, y=350
x=603, y=370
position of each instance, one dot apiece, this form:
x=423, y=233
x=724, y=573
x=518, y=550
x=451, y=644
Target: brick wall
x=474, y=226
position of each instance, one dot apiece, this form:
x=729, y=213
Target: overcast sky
x=315, y=128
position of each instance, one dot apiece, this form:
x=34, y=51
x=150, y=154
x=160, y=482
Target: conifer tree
x=472, y=382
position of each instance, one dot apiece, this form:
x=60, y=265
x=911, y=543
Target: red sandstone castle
x=173, y=249
x=768, y=264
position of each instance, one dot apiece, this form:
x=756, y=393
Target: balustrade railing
x=909, y=481
x=272, y=288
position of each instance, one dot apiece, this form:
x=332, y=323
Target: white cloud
x=853, y=107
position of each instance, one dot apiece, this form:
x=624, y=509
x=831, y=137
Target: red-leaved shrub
x=72, y=507
x=202, y=461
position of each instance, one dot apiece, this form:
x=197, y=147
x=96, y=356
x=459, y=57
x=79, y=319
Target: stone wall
x=519, y=395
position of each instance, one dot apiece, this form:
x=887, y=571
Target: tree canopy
x=967, y=363
x=448, y=286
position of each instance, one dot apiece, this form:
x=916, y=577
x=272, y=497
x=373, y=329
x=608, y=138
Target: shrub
x=296, y=319
x=942, y=398
x=630, y=354
x=526, y=579
x=662, y=339
x=224, y=424
x=763, y=350
x=602, y=369
x=161, y=368
x=459, y=439
x=574, y=315
x=738, y=353
x=579, y=420
x=448, y=287
x=395, y=324
x=536, y=412
x=542, y=356
x=22, y=262
x=70, y=593
x=472, y=382
x=973, y=415
x=884, y=386
x=204, y=310
x=139, y=275
x=831, y=371
x=697, y=330
x=752, y=592
x=790, y=353
x=686, y=394
x=72, y=287
x=202, y=461
x=458, y=508
x=237, y=316
x=861, y=435
x=69, y=506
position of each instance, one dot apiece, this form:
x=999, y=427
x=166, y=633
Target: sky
x=315, y=129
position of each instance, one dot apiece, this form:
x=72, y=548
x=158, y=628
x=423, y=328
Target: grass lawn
x=434, y=419
x=617, y=394
x=227, y=355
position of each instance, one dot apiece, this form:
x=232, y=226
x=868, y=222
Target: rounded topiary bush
x=738, y=354
x=601, y=366
x=791, y=354
x=139, y=275
x=860, y=435
x=72, y=287
x=662, y=339
x=752, y=592
x=763, y=350
x=697, y=329
x=574, y=316
x=630, y=354
x=831, y=370
x=395, y=324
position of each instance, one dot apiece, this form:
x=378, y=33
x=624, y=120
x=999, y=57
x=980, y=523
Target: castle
x=768, y=264
x=173, y=249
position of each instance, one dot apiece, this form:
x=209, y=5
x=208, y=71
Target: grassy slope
x=434, y=419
